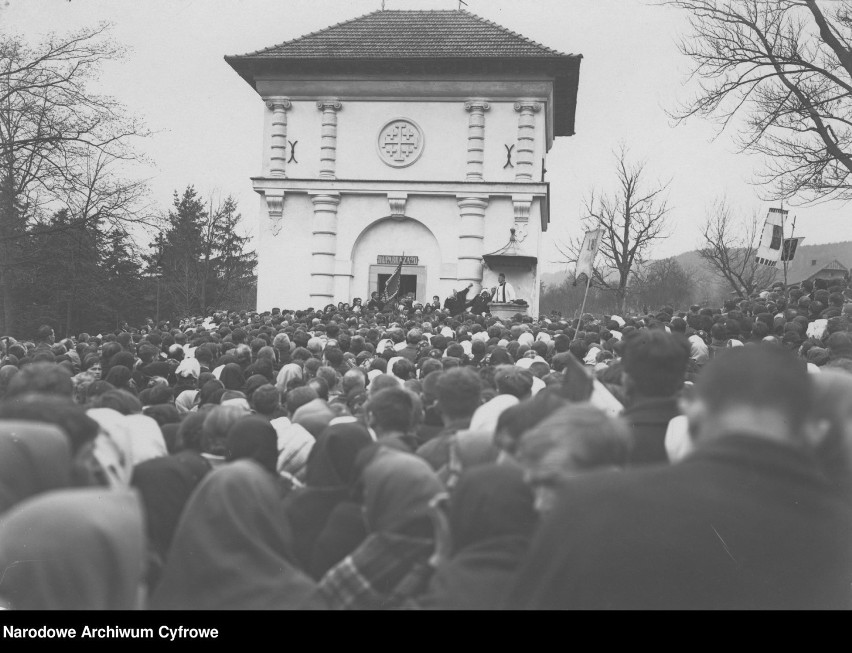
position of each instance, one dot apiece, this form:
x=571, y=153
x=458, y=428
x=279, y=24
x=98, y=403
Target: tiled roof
x=409, y=35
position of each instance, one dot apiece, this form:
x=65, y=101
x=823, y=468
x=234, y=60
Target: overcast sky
x=208, y=120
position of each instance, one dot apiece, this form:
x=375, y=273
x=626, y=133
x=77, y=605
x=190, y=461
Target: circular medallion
x=400, y=143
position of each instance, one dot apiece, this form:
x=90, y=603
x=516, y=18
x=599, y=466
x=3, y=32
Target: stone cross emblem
x=400, y=143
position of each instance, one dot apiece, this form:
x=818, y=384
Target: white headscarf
x=138, y=437
x=189, y=367
x=486, y=416
x=699, y=351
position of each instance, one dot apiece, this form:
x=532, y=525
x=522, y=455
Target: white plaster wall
x=501, y=129
x=284, y=261
x=364, y=231
x=444, y=125
x=444, y=129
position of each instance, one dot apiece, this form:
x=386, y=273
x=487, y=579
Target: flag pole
x=793, y=243
x=782, y=248
x=583, y=306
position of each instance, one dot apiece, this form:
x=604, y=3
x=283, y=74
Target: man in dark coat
x=654, y=371
x=455, y=303
x=746, y=521
x=375, y=303
x=479, y=304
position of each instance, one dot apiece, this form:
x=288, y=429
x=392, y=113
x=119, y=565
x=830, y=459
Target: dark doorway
x=408, y=284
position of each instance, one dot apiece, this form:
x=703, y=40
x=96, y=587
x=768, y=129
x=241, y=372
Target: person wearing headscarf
x=233, y=549
x=208, y=393
x=165, y=485
x=486, y=416
x=34, y=457
x=254, y=438
x=294, y=448
x=344, y=530
x=330, y=474
x=314, y=416
x=232, y=377
x=392, y=565
x=486, y=534
x=288, y=377
x=80, y=549
x=185, y=401
x=699, y=352
x=122, y=378
x=162, y=414
x=138, y=437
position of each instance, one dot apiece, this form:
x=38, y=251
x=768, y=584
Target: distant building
x=421, y=133
x=809, y=269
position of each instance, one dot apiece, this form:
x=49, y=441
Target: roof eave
x=565, y=76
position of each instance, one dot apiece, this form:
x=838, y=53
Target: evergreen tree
x=234, y=284
x=180, y=252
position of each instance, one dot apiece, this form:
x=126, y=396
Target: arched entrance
x=377, y=253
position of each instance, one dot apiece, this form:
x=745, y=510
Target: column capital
x=527, y=105
x=325, y=197
x=476, y=105
x=472, y=201
x=329, y=105
x=280, y=103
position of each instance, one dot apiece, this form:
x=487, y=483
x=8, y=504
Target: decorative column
x=475, y=138
x=328, y=146
x=278, y=138
x=526, y=139
x=323, y=248
x=471, y=237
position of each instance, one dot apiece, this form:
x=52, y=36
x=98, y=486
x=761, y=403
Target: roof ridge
x=315, y=32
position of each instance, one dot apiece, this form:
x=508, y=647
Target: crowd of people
x=424, y=457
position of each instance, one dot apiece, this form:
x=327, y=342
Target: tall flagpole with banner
x=585, y=266
x=771, y=239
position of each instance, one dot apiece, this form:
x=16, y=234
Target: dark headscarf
x=162, y=413
x=232, y=377
x=491, y=519
x=343, y=529
x=491, y=502
x=165, y=485
x=232, y=548
x=208, y=390
x=330, y=472
x=120, y=376
x=397, y=490
x=331, y=462
x=189, y=434
x=254, y=438
x=81, y=549
x=500, y=356
x=123, y=358
x=34, y=458
x=253, y=383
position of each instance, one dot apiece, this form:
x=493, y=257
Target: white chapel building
x=420, y=134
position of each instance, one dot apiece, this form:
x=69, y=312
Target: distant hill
x=809, y=259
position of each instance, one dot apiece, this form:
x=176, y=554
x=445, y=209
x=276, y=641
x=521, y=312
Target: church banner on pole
x=771, y=238
x=586, y=257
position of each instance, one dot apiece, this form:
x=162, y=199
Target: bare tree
x=663, y=282
x=631, y=217
x=728, y=246
x=62, y=146
x=780, y=72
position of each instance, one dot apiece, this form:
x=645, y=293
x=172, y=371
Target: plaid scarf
x=385, y=571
